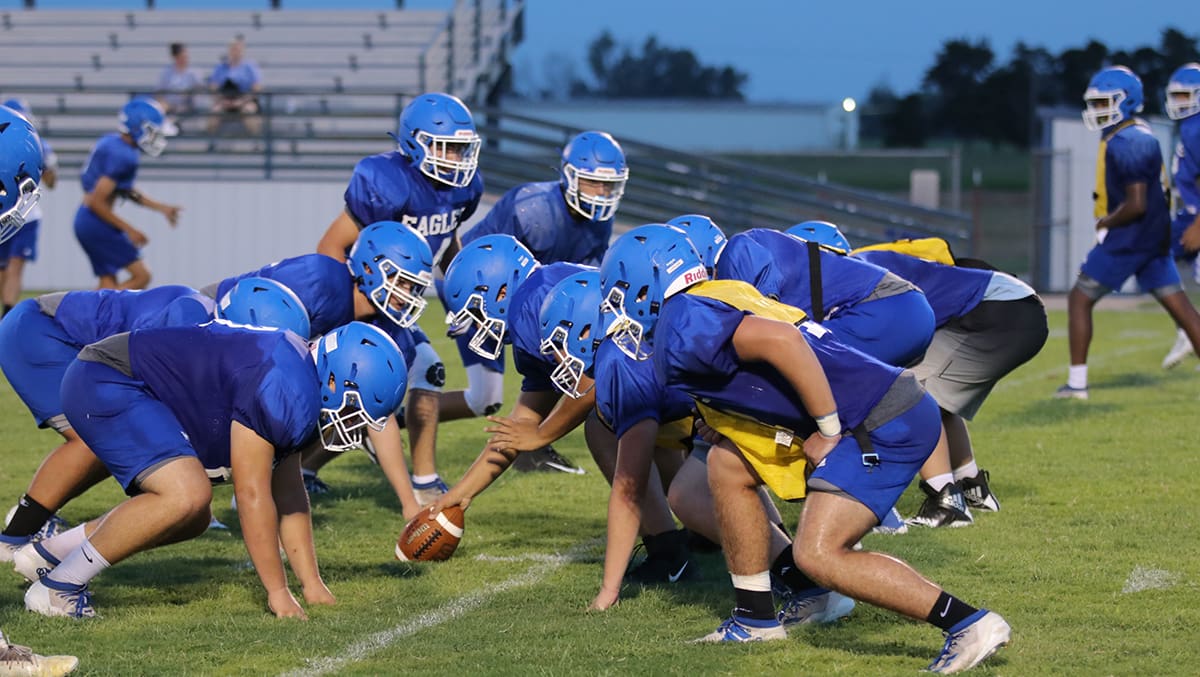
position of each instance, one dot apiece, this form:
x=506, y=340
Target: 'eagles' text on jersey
x=537, y=215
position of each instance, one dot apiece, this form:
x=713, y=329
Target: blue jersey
x=776, y=264
x=214, y=374
x=387, y=187
x=322, y=284
x=951, y=291
x=1128, y=155
x=524, y=331
x=631, y=391
x=537, y=215
x=110, y=157
x=1185, y=167
x=693, y=351
x=89, y=316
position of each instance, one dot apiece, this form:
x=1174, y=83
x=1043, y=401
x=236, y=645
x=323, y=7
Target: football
x=431, y=537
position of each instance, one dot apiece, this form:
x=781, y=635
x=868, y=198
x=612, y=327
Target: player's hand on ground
x=138, y=238
x=605, y=599
x=171, y=212
x=318, y=593
x=517, y=434
x=817, y=446
x=284, y=605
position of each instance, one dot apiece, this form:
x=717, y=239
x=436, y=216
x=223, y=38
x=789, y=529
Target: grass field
x=1092, y=560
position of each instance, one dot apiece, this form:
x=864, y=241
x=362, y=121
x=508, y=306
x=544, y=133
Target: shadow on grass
x=1051, y=411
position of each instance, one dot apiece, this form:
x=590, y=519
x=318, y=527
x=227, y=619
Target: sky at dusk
x=793, y=50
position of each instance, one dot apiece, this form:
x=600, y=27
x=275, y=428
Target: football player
x=636, y=433
x=20, y=171
x=765, y=381
x=110, y=242
x=39, y=339
x=166, y=433
x=382, y=282
x=1183, y=104
x=1133, y=226
x=23, y=246
x=569, y=220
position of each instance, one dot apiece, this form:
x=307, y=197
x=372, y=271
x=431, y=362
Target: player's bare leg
x=1079, y=325
x=139, y=276
x=1180, y=307
x=421, y=417
x=11, y=292
x=739, y=511
x=65, y=473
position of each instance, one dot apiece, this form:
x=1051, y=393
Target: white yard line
x=459, y=606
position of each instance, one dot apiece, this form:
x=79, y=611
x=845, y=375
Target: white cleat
x=826, y=607
x=1179, y=352
x=733, y=630
x=21, y=661
x=51, y=598
x=973, y=644
x=34, y=561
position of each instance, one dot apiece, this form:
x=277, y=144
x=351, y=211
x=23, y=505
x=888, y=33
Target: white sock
x=61, y=545
x=81, y=566
x=754, y=582
x=425, y=479
x=938, y=482
x=967, y=470
x=1077, y=376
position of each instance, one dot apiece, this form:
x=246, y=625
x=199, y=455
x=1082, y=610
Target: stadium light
x=849, y=104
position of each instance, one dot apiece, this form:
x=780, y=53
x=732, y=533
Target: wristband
x=829, y=425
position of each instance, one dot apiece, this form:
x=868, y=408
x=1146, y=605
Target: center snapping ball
x=431, y=537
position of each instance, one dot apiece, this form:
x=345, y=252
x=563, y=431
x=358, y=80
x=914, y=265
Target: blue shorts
x=124, y=425
x=1179, y=224
x=22, y=245
x=109, y=249
x=34, y=354
x=895, y=329
x=1153, y=270
x=902, y=443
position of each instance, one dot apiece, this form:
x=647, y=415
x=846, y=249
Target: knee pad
x=427, y=371
x=485, y=390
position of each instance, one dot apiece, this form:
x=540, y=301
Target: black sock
x=755, y=604
x=29, y=517
x=949, y=611
x=785, y=570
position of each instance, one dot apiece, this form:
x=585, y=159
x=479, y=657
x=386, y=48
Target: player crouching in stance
x=171, y=410
x=765, y=379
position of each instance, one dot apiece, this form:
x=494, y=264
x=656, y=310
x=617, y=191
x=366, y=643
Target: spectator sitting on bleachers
x=234, y=83
x=178, y=83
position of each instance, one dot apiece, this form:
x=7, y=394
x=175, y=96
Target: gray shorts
x=970, y=354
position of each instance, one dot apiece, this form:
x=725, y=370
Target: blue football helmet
x=480, y=283
x=823, y=233
x=260, y=302
x=569, y=332
x=363, y=378
x=1113, y=95
x=437, y=134
x=22, y=107
x=393, y=266
x=706, y=237
x=642, y=269
x=146, y=123
x=20, y=170
x=1183, y=92
x=595, y=157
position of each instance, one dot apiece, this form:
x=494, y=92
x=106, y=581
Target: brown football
x=431, y=537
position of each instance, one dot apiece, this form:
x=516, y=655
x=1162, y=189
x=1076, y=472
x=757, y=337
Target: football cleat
x=545, y=459
x=737, y=629
x=217, y=524
x=945, y=508
x=53, y=527
x=9, y=545
x=21, y=661
x=1066, y=392
x=817, y=606
x=313, y=485
x=428, y=492
x=978, y=494
x=982, y=634
x=51, y=598
x=34, y=561
x=1179, y=352
x=892, y=525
